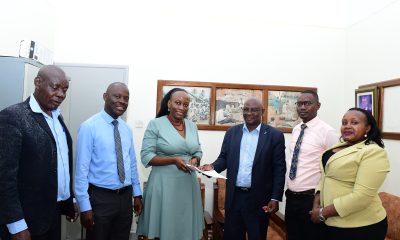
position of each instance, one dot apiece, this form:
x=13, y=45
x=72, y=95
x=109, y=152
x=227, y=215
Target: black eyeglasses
x=305, y=103
x=251, y=110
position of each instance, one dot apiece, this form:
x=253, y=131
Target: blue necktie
x=295, y=159
x=118, y=151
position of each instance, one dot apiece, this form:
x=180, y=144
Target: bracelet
x=321, y=216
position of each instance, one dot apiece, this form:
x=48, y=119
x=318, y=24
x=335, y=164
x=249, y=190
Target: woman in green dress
x=172, y=200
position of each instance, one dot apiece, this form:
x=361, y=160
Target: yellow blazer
x=350, y=181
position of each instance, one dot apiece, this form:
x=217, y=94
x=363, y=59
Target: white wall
x=162, y=42
x=373, y=56
x=26, y=20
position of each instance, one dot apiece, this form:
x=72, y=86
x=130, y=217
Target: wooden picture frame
x=224, y=101
x=367, y=99
x=388, y=95
x=390, y=121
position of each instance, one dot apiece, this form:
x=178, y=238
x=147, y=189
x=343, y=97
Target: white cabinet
x=16, y=79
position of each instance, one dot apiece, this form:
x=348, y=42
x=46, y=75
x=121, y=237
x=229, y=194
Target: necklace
x=176, y=126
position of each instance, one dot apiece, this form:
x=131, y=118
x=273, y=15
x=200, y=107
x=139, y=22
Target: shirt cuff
x=84, y=205
x=274, y=200
x=17, y=226
x=136, y=190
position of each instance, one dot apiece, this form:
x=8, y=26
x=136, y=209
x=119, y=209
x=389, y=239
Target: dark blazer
x=28, y=169
x=269, y=166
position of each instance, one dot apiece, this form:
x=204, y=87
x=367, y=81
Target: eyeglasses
x=305, y=103
x=251, y=110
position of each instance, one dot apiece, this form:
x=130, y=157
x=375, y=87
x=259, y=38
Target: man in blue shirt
x=106, y=172
x=36, y=162
x=254, y=156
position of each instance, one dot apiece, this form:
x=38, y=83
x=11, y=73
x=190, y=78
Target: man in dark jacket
x=36, y=162
x=254, y=156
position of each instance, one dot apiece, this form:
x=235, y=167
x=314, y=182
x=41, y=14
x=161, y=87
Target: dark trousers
x=243, y=217
x=53, y=233
x=113, y=214
x=297, y=216
x=375, y=231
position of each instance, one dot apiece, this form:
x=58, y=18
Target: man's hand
x=137, y=206
x=207, y=167
x=87, y=219
x=23, y=235
x=76, y=214
x=272, y=207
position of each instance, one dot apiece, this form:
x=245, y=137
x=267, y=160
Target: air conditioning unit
x=34, y=50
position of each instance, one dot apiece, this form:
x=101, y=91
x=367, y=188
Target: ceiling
x=323, y=13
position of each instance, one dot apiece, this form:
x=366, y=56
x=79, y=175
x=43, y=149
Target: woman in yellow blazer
x=352, y=172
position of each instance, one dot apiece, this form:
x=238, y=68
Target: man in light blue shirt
x=35, y=162
x=106, y=172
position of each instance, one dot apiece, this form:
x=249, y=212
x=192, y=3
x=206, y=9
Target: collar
x=312, y=122
x=33, y=103
x=108, y=118
x=256, y=129
x=357, y=145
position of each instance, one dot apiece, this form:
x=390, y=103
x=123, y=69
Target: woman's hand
x=315, y=215
x=181, y=165
x=193, y=161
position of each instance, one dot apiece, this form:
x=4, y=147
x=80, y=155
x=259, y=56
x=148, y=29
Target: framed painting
x=367, y=99
x=281, y=107
x=282, y=111
x=229, y=104
x=200, y=101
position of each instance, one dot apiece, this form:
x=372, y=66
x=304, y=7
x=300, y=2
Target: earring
x=168, y=110
x=365, y=135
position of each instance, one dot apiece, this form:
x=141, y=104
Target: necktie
x=295, y=159
x=118, y=151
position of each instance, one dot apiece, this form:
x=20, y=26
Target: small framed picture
x=366, y=98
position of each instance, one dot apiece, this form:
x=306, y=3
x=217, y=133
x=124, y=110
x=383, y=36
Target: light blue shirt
x=96, y=159
x=62, y=158
x=248, y=147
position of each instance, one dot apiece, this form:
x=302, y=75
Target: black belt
x=310, y=192
x=243, y=189
x=116, y=191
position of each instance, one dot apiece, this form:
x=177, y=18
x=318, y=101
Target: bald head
x=48, y=71
x=116, y=84
x=255, y=101
x=51, y=87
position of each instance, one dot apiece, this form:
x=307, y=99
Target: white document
x=211, y=173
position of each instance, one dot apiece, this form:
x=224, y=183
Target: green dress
x=172, y=200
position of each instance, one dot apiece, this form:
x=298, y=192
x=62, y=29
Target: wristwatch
x=321, y=217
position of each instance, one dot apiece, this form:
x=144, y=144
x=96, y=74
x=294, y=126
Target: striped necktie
x=118, y=151
x=295, y=159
